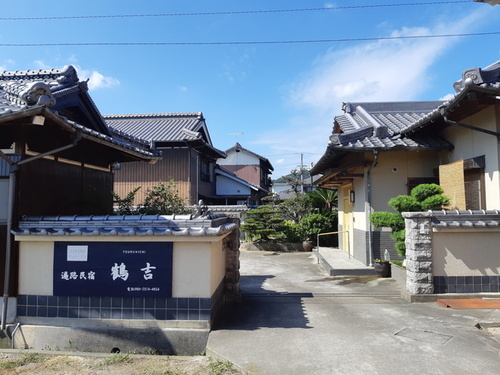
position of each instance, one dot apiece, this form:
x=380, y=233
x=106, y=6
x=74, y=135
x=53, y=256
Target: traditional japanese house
x=188, y=154
x=76, y=276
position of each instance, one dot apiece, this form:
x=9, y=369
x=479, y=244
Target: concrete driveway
x=295, y=319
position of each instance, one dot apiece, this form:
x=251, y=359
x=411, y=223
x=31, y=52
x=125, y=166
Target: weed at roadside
x=217, y=367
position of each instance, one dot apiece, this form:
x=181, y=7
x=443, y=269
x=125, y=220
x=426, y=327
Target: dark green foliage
x=435, y=202
x=313, y=224
x=292, y=232
x=424, y=191
x=387, y=219
x=126, y=205
x=422, y=198
x=325, y=200
x=264, y=223
x=405, y=203
x=163, y=199
x=295, y=209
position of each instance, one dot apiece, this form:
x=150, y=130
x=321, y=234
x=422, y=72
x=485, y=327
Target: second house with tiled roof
x=249, y=166
x=188, y=154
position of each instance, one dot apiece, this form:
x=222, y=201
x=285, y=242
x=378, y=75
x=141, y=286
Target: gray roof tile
x=461, y=219
x=125, y=225
x=159, y=126
x=367, y=126
x=39, y=89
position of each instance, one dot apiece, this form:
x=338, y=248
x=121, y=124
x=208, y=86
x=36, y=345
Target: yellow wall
x=36, y=267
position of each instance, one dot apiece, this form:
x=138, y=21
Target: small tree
x=163, y=199
x=326, y=200
x=314, y=224
x=126, y=205
x=264, y=223
x=422, y=198
x=297, y=208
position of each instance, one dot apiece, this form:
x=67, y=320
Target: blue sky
x=276, y=99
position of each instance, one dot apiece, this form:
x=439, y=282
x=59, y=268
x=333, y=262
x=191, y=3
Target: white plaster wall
x=191, y=265
x=239, y=158
x=390, y=175
x=457, y=253
x=226, y=186
x=36, y=267
x=470, y=143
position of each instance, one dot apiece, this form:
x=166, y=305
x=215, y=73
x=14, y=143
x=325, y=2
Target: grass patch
x=25, y=359
x=217, y=367
x=114, y=359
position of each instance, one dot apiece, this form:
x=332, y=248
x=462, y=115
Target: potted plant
x=382, y=267
x=307, y=245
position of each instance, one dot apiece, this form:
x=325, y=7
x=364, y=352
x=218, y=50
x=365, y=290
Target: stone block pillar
x=419, y=278
x=232, y=279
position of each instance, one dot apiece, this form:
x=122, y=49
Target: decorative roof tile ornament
x=484, y=77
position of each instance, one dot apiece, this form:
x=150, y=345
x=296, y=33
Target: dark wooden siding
x=47, y=187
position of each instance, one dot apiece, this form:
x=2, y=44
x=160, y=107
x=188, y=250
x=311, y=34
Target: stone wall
x=232, y=279
x=419, y=253
x=452, y=252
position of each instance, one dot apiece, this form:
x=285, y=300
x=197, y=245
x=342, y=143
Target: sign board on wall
x=113, y=269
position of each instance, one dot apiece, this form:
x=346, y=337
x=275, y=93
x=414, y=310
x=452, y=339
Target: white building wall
x=471, y=143
x=227, y=186
x=239, y=158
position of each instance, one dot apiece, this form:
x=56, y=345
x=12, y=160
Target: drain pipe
x=471, y=127
x=14, y=167
x=8, y=243
x=18, y=325
x=368, y=209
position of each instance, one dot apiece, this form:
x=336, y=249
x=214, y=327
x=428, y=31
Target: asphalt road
x=295, y=319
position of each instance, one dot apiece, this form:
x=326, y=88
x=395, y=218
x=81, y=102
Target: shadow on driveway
x=263, y=308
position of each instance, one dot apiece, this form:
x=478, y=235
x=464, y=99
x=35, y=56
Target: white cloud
x=41, y=65
x=97, y=80
x=182, y=88
x=385, y=70
x=382, y=70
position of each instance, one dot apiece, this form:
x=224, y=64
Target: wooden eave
x=54, y=132
x=471, y=101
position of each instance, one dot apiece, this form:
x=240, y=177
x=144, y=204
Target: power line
x=100, y=44
x=231, y=12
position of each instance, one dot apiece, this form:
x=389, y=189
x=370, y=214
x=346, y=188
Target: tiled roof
x=474, y=79
x=369, y=126
x=22, y=89
x=125, y=225
x=40, y=90
x=461, y=219
x=158, y=126
x=228, y=174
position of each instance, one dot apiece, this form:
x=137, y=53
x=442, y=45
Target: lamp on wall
x=352, y=196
